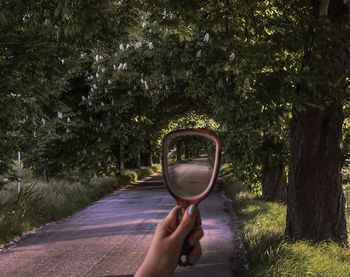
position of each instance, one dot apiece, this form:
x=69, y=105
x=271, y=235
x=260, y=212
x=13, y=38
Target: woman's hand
x=164, y=252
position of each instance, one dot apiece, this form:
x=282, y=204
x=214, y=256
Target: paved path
x=111, y=238
x=190, y=178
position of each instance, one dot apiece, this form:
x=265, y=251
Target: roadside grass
x=137, y=174
x=41, y=202
x=269, y=252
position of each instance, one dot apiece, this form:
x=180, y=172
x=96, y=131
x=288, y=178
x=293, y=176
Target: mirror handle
x=186, y=247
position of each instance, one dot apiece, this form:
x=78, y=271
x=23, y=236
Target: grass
x=269, y=253
x=40, y=202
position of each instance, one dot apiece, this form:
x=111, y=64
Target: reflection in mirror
x=190, y=162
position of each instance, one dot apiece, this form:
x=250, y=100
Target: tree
x=316, y=203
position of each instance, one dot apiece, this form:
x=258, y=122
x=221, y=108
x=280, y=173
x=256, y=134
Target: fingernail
x=192, y=242
x=192, y=210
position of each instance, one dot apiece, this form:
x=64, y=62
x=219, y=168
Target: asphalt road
x=111, y=238
x=192, y=177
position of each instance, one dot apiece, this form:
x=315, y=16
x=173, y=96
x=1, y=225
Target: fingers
x=169, y=223
x=188, y=221
x=195, y=254
x=195, y=236
x=198, y=220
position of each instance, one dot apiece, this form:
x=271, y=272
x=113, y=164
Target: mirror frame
x=186, y=201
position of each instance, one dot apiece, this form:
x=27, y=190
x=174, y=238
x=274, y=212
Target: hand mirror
x=190, y=162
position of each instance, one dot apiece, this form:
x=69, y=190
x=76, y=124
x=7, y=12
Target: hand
x=164, y=252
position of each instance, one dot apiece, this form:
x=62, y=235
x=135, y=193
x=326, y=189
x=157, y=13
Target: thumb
x=187, y=223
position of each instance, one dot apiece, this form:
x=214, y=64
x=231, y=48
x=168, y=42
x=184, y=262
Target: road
x=112, y=236
x=191, y=178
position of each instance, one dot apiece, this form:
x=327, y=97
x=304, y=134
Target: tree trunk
x=178, y=151
x=274, y=183
x=146, y=159
x=138, y=160
x=316, y=203
x=187, y=152
x=122, y=158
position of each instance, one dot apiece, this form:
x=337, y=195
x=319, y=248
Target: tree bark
x=122, y=158
x=178, y=151
x=274, y=183
x=146, y=156
x=316, y=203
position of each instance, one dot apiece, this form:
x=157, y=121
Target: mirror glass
x=190, y=164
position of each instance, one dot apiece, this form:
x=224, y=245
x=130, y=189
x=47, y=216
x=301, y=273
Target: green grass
x=40, y=202
x=269, y=253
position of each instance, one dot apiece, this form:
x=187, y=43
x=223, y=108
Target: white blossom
x=83, y=98
x=60, y=115
x=114, y=67
x=127, y=46
x=62, y=61
x=68, y=119
x=90, y=104
x=34, y=134
x=246, y=84
x=109, y=159
x=26, y=17
x=138, y=45
x=150, y=45
x=102, y=104
x=220, y=83
x=97, y=58
x=121, y=47
x=199, y=54
x=120, y=66
x=97, y=75
x=94, y=86
x=43, y=120
x=109, y=82
x=232, y=56
x=103, y=69
x=125, y=66
x=142, y=81
x=206, y=38
x=143, y=24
